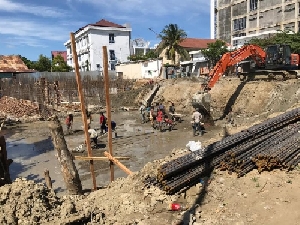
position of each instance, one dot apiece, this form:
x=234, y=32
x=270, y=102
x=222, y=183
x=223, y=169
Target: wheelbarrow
x=176, y=117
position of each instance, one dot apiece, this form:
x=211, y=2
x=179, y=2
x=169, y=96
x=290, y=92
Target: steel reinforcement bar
x=185, y=170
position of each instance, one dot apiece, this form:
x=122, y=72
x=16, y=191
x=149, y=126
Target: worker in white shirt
x=93, y=136
x=196, y=117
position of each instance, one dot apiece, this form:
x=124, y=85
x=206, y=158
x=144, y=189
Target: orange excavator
x=275, y=59
x=232, y=58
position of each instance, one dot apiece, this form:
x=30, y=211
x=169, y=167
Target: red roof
x=102, y=23
x=196, y=43
x=105, y=23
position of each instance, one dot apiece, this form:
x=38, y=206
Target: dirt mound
x=24, y=202
x=221, y=199
x=125, y=201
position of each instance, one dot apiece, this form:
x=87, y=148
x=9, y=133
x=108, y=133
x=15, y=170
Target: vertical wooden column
x=82, y=106
x=108, y=109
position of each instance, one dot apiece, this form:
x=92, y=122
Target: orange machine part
x=232, y=58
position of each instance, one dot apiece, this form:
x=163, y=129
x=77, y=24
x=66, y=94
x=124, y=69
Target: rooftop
x=102, y=23
x=12, y=64
x=196, y=43
x=105, y=23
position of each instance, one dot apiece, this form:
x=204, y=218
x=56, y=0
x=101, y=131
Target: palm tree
x=171, y=37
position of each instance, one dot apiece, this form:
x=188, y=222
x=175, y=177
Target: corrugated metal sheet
x=12, y=64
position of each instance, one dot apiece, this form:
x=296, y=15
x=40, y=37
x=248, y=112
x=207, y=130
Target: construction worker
x=196, y=117
x=88, y=117
x=93, y=136
x=102, y=123
x=142, y=110
x=160, y=118
x=69, y=123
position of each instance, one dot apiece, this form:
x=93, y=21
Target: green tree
x=214, y=51
x=171, y=37
x=151, y=54
x=59, y=65
x=282, y=37
x=28, y=63
x=43, y=64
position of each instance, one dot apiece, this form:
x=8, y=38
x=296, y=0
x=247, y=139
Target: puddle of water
x=30, y=163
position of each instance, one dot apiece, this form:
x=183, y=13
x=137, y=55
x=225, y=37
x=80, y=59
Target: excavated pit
x=220, y=198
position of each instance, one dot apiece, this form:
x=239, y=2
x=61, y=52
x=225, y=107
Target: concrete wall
x=121, y=47
x=151, y=69
x=239, y=9
x=130, y=71
x=224, y=24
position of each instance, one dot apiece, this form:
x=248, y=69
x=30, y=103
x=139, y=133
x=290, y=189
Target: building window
x=112, y=55
x=253, y=5
x=111, y=38
x=98, y=67
x=239, y=24
x=79, y=58
x=235, y=42
x=112, y=66
x=235, y=24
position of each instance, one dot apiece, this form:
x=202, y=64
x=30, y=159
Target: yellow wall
x=165, y=58
x=130, y=71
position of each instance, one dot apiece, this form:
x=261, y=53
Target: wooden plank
x=108, y=109
x=115, y=161
x=99, y=158
x=82, y=107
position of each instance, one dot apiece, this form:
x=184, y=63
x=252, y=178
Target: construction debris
x=17, y=108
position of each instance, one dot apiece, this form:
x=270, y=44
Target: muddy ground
x=266, y=198
x=138, y=141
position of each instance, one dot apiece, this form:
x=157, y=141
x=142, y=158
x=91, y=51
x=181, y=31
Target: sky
x=34, y=27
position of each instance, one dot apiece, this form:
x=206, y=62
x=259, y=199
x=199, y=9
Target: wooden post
x=82, y=106
x=4, y=163
x=122, y=167
x=99, y=158
x=48, y=180
x=68, y=168
x=108, y=109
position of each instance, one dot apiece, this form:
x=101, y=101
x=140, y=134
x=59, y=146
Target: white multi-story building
x=238, y=21
x=90, y=40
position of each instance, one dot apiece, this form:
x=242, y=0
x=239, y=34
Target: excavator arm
x=232, y=58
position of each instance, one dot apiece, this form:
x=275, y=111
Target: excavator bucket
x=201, y=100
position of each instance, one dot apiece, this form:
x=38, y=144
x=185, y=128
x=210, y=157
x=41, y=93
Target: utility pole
x=157, y=54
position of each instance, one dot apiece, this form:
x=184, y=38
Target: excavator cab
x=278, y=57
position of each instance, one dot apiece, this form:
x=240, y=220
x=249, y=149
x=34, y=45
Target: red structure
x=62, y=53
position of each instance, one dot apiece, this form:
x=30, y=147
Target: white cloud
x=14, y=42
x=29, y=32
x=44, y=11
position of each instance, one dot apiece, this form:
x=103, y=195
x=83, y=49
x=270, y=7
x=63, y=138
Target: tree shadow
x=232, y=99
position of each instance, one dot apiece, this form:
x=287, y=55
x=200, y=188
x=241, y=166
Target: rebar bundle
x=265, y=146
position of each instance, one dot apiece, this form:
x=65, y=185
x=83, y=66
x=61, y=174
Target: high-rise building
x=238, y=21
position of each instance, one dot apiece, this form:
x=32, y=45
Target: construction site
x=245, y=173
x=242, y=168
